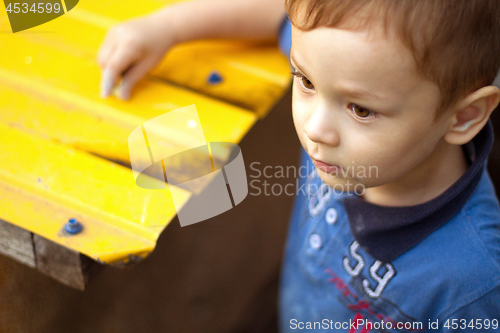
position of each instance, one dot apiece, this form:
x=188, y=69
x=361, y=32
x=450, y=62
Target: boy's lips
x=325, y=167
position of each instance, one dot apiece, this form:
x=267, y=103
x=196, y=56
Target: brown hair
x=455, y=43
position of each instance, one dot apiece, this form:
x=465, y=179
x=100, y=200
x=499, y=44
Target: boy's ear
x=471, y=114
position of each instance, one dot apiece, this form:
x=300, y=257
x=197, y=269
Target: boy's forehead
x=359, y=51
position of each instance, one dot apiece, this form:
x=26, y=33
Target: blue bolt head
x=214, y=78
x=73, y=226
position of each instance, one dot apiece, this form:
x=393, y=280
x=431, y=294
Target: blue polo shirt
x=352, y=266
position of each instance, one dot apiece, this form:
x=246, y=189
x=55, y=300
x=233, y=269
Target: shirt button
x=331, y=216
x=315, y=241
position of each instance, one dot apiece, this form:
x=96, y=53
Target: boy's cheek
x=299, y=129
x=300, y=108
x=295, y=116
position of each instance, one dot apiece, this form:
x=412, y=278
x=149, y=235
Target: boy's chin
x=339, y=183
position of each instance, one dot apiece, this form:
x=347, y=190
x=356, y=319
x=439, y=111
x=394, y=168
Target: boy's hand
x=130, y=50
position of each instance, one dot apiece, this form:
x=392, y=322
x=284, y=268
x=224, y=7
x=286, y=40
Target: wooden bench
x=64, y=150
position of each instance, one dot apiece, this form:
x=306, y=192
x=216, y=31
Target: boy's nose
x=320, y=128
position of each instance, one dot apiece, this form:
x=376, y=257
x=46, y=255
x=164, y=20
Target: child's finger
x=133, y=75
x=108, y=79
x=104, y=54
x=120, y=61
x=107, y=47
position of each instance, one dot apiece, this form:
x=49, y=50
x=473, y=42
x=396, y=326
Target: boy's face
x=358, y=104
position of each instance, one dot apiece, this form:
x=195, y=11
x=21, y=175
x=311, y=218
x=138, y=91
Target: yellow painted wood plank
x=100, y=241
x=254, y=75
x=35, y=110
x=43, y=184
x=70, y=86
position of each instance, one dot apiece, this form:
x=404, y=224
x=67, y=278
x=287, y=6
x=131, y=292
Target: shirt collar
x=387, y=232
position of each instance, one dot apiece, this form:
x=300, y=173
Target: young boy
x=419, y=249
x=399, y=230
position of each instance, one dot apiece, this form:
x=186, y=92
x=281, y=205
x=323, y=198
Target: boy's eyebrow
x=345, y=90
x=359, y=93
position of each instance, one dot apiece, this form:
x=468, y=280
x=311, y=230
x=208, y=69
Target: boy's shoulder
x=460, y=261
x=470, y=239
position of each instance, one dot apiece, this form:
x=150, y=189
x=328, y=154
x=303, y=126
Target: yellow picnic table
x=64, y=149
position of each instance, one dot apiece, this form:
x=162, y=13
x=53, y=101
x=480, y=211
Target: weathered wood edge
x=17, y=244
x=62, y=264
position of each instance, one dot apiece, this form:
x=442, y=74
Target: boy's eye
x=304, y=81
x=359, y=111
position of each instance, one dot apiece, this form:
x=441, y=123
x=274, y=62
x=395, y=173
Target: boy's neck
x=429, y=179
